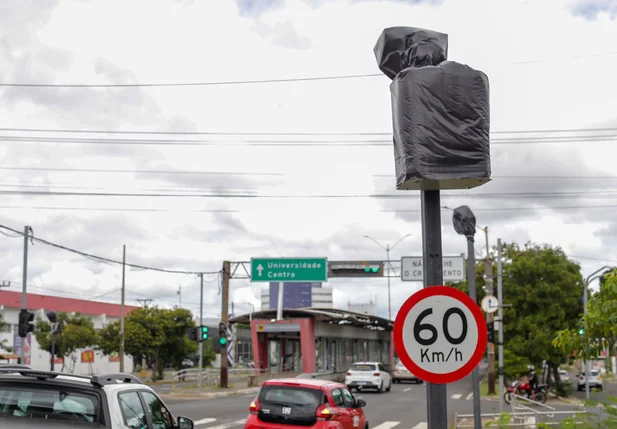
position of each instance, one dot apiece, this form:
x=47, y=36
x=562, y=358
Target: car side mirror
x=185, y=423
x=360, y=403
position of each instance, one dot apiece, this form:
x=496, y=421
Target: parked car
x=307, y=403
x=564, y=376
x=594, y=380
x=401, y=373
x=36, y=399
x=368, y=375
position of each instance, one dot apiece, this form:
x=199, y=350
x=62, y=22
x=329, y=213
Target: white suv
x=35, y=399
x=595, y=380
x=368, y=375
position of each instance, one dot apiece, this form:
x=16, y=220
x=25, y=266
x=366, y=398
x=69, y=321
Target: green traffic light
x=204, y=332
x=222, y=341
x=376, y=269
x=371, y=269
x=581, y=332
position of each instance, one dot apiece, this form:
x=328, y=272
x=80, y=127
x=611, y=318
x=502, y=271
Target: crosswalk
x=212, y=423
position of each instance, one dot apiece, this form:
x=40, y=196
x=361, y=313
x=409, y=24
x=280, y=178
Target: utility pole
x=201, y=322
x=500, y=317
x=22, y=349
x=224, y=318
x=179, y=296
x=488, y=272
x=5, y=283
x=121, y=351
x=144, y=301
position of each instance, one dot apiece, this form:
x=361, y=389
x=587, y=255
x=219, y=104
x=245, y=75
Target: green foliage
x=158, y=334
x=600, y=324
x=4, y=342
x=514, y=366
x=78, y=333
x=502, y=421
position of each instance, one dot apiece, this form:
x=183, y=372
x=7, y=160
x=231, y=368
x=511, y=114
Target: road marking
x=203, y=421
x=407, y=390
x=229, y=424
x=456, y=396
x=469, y=397
x=387, y=425
x=421, y=425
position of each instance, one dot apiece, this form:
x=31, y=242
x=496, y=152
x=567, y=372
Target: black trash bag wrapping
x=441, y=127
x=399, y=48
x=464, y=221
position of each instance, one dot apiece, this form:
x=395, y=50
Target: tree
x=78, y=333
x=4, y=342
x=154, y=333
x=597, y=330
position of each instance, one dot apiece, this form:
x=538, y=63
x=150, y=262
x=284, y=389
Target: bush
x=564, y=390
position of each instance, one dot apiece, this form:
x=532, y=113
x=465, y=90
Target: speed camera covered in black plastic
x=464, y=221
x=440, y=112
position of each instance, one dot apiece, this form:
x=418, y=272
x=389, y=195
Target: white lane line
x=469, y=397
x=387, y=425
x=203, y=421
x=407, y=390
x=229, y=424
x=456, y=396
x=421, y=425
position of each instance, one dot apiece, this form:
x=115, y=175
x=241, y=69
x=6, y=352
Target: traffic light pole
x=22, y=349
x=475, y=374
x=224, y=317
x=201, y=322
x=500, y=317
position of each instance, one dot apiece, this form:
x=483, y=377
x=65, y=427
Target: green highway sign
x=289, y=270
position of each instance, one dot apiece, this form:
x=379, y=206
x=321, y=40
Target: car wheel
x=389, y=386
x=380, y=390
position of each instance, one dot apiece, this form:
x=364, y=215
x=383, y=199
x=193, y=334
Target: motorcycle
x=524, y=389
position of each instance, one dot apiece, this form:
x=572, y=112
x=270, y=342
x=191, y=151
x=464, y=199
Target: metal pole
x=585, y=302
x=279, y=304
x=201, y=322
x=121, y=351
x=475, y=374
x=22, y=349
x=53, y=351
x=437, y=401
x=224, y=316
x=388, y=271
x=500, y=317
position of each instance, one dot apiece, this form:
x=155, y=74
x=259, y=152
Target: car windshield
x=46, y=403
x=296, y=396
x=362, y=367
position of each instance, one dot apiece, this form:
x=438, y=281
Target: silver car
x=401, y=373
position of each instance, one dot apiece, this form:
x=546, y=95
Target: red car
x=302, y=403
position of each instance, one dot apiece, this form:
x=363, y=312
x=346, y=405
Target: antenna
x=144, y=301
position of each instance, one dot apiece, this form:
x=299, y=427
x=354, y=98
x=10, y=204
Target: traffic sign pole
x=437, y=400
x=475, y=375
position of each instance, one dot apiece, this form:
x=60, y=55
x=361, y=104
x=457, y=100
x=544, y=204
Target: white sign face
x=490, y=304
x=440, y=334
x=453, y=269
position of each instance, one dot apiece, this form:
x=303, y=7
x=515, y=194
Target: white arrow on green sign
x=290, y=270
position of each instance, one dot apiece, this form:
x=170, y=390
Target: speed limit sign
x=440, y=334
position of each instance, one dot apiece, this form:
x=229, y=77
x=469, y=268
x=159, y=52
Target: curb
x=212, y=395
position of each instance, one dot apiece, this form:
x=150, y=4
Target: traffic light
x=355, y=269
x=222, y=334
x=25, y=323
x=490, y=327
x=581, y=331
x=192, y=333
x=204, y=333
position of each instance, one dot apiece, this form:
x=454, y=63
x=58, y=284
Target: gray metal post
x=53, y=349
x=122, y=315
x=586, y=369
x=22, y=351
x=475, y=374
x=437, y=400
x=201, y=322
x=279, y=304
x=500, y=317
x=388, y=271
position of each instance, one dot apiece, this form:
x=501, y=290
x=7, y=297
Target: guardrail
x=190, y=378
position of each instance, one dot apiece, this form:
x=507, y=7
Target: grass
x=484, y=389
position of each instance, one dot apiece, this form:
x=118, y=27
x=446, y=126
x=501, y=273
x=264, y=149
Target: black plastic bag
x=464, y=221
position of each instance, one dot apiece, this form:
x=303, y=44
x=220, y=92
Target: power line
x=287, y=143
x=402, y=195
x=98, y=170
x=162, y=210
x=102, y=259
x=214, y=133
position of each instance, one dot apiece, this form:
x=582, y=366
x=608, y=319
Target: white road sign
x=440, y=334
x=453, y=269
x=489, y=304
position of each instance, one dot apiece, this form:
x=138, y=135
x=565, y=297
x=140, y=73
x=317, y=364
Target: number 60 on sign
x=440, y=334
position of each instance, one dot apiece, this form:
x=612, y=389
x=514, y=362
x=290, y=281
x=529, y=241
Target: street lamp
x=387, y=248
x=592, y=277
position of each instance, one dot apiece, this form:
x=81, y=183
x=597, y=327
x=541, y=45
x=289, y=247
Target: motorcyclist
x=533, y=381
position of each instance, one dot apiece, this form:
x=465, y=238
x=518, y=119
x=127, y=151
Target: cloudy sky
x=292, y=168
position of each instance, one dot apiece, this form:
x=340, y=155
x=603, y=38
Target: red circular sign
x=440, y=334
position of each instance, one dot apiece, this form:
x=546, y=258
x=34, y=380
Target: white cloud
x=542, y=77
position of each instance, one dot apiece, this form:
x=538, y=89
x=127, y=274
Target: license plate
x=361, y=383
x=286, y=410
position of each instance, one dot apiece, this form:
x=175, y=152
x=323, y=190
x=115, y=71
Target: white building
x=364, y=308
x=80, y=362
x=297, y=295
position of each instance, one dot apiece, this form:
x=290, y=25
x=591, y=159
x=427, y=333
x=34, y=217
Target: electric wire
x=100, y=258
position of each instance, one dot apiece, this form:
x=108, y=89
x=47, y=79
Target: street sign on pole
x=289, y=270
x=453, y=269
x=490, y=304
x=440, y=334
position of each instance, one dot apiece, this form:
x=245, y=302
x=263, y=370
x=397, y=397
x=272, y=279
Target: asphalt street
x=404, y=407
